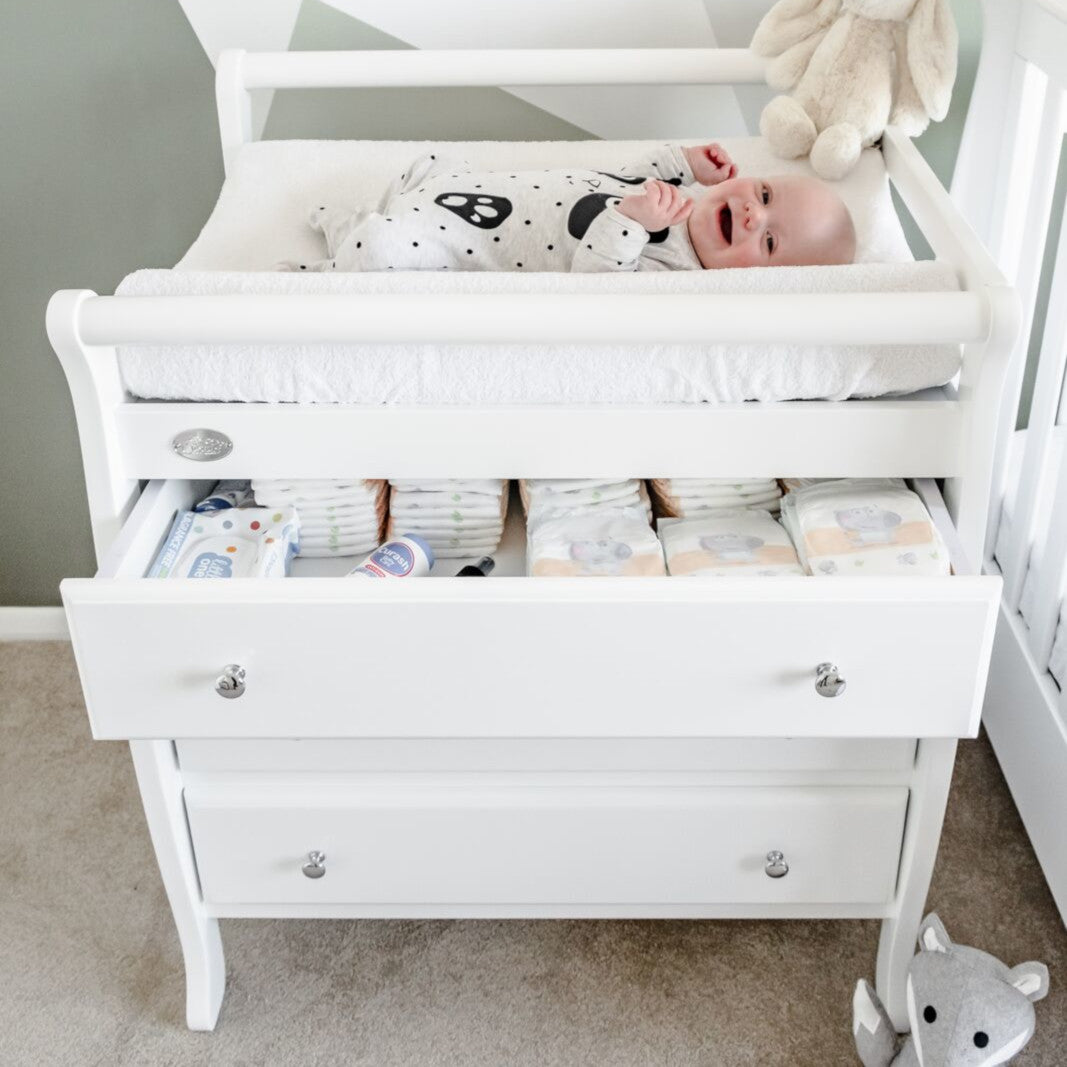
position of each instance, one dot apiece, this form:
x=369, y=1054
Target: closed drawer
x=518, y=657
x=541, y=843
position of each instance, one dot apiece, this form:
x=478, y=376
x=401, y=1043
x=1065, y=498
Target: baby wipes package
x=229, y=543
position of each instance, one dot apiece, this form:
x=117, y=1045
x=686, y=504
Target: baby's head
x=786, y=221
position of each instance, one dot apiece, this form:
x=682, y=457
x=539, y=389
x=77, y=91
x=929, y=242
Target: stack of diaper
x=593, y=541
x=728, y=542
x=542, y=496
x=342, y=517
x=863, y=526
x=457, y=517
x=685, y=498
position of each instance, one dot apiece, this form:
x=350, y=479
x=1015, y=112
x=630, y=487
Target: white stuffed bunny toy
x=855, y=66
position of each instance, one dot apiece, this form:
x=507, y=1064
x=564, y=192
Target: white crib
x=517, y=765
x=1020, y=115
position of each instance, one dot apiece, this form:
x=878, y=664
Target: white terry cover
x=261, y=219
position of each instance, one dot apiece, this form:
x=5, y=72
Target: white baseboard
x=33, y=624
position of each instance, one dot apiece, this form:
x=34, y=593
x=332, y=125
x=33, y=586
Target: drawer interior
x=131, y=557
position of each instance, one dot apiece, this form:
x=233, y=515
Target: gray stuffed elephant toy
x=965, y=1007
x=854, y=67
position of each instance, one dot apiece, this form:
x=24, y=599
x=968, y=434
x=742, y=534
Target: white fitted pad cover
x=261, y=219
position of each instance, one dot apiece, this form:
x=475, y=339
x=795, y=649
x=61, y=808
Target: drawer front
x=513, y=657
x=536, y=845
x=533, y=657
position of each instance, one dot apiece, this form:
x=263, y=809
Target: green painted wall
x=112, y=163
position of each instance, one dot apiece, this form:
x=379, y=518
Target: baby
x=656, y=214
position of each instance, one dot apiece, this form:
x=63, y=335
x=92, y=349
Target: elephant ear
x=790, y=22
x=932, y=54
x=933, y=937
x=1031, y=979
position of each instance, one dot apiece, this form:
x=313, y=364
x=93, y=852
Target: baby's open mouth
x=726, y=224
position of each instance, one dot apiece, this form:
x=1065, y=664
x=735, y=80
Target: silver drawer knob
x=828, y=682
x=315, y=866
x=776, y=865
x=231, y=683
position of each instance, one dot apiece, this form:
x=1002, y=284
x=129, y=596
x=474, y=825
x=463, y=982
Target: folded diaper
x=728, y=542
x=595, y=541
x=229, y=543
x=685, y=497
x=863, y=526
x=338, y=517
x=543, y=496
x=484, y=486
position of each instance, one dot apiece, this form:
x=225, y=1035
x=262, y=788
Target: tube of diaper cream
x=402, y=557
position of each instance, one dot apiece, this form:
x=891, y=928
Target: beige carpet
x=90, y=971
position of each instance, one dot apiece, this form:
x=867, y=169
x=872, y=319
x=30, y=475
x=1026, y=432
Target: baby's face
x=785, y=221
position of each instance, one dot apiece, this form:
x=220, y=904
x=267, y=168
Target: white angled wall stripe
x=620, y=112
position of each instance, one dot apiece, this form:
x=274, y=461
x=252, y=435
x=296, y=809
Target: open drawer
x=510, y=656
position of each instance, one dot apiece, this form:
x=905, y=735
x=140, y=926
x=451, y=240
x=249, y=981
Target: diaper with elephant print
x=594, y=542
x=732, y=542
x=863, y=526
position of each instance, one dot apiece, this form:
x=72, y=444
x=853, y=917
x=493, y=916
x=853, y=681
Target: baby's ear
x=1031, y=979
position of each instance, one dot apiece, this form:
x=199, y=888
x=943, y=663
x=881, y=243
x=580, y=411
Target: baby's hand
x=659, y=206
x=710, y=163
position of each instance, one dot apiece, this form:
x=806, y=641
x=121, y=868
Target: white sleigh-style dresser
x=516, y=747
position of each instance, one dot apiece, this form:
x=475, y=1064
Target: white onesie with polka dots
x=440, y=216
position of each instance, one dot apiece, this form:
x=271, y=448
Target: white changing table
x=550, y=747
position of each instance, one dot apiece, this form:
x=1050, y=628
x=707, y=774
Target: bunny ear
x=791, y=21
x=932, y=45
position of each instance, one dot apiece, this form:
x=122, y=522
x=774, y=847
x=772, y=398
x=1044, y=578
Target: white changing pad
x=261, y=215
x=260, y=219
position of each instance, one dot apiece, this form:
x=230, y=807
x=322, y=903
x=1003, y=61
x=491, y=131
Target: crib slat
x=1008, y=203
x=1050, y=569
x=1045, y=157
x=1043, y=412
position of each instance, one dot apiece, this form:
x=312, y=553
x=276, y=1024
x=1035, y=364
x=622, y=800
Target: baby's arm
x=710, y=163
x=613, y=242
x=618, y=235
x=675, y=164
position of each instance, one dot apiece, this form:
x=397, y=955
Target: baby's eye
x=772, y=243
x=765, y=195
